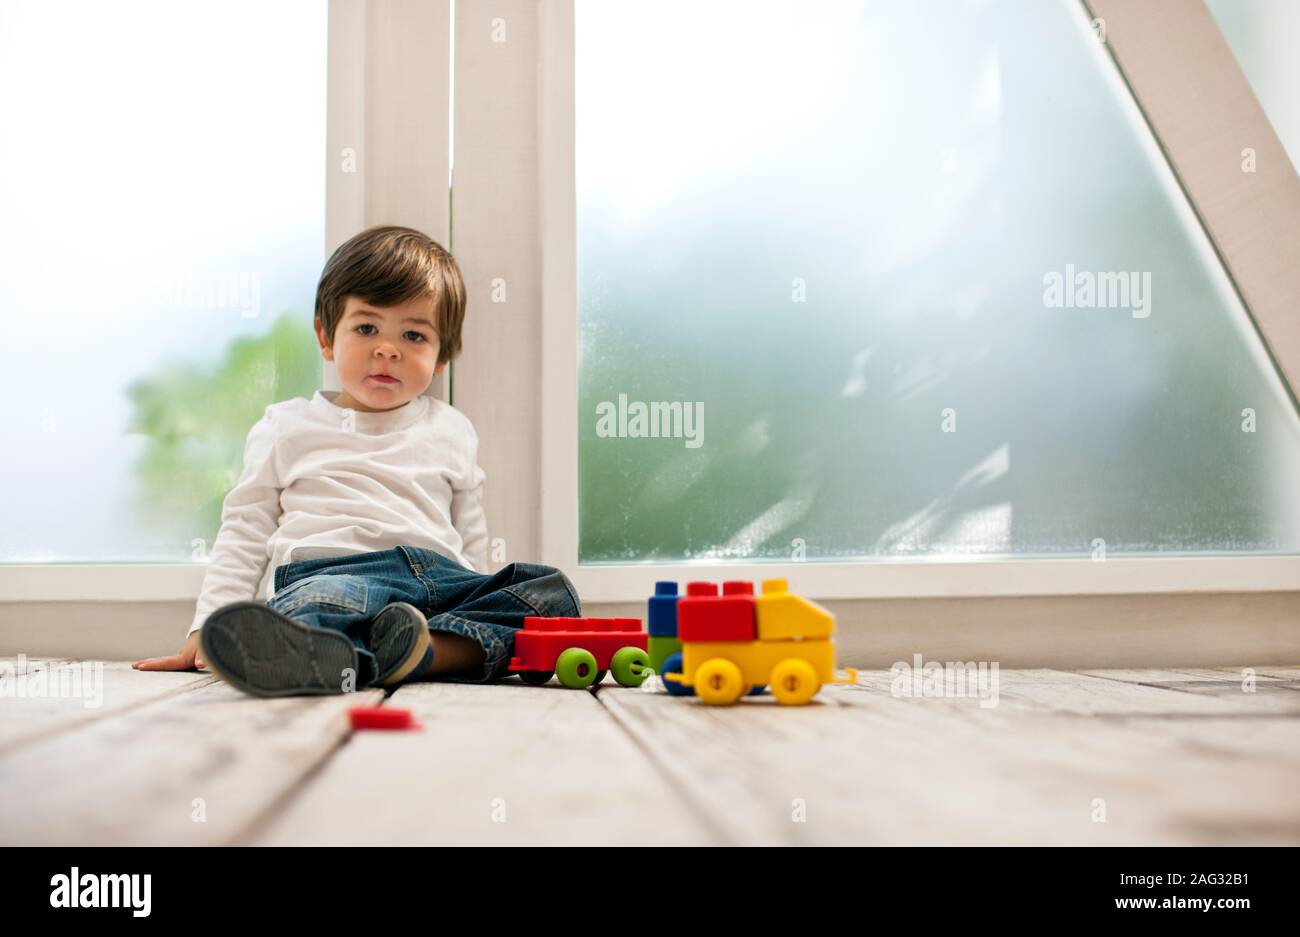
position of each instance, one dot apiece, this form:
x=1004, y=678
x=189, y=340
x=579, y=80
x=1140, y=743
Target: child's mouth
x=384, y=379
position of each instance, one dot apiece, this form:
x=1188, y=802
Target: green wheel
x=535, y=677
x=629, y=665
x=576, y=668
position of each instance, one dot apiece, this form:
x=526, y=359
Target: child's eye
x=367, y=325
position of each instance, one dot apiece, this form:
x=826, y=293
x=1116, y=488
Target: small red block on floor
x=381, y=717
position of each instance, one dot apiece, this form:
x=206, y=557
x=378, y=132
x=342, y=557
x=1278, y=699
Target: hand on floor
x=187, y=658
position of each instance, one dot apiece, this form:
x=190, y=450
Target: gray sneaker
x=399, y=639
x=256, y=649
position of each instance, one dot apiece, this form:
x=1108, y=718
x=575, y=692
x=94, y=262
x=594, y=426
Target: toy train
x=717, y=646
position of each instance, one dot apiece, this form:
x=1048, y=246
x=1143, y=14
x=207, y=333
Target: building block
x=758, y=659
x=660, y=648
x=381, y=717
x=662, y=619
x=671, y=675
x=703, y=615
x=781, y=615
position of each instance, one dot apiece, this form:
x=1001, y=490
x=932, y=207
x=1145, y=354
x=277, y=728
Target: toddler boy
x=353, y=549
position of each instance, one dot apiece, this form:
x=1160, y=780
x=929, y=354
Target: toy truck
x=665, y=648
x=733, y=642
x=580, y=651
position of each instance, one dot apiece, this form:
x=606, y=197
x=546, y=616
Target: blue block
x=674, y=665
x=662, y=621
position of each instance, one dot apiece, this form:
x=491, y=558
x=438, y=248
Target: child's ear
x=326, y=351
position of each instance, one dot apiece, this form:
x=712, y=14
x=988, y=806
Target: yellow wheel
x=718, y=682
x=794, y=682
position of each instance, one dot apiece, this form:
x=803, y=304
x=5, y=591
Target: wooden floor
x=1165, y=756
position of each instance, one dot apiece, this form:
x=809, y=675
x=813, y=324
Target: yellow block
x=756, y=659
x=783, y=615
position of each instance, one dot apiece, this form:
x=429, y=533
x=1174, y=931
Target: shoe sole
x=256, y=649
x=399, y=631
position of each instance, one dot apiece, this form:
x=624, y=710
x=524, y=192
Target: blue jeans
x=346, y=592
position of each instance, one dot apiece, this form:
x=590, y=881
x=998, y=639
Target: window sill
x=882, y=579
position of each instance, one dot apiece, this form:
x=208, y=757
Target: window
x=162, y=211
x=883, y=283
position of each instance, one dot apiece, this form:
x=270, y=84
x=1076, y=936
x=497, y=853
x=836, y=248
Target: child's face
x=372, y=340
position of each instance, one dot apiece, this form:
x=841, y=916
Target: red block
x=542, y=640
x=703, y=615
x=381, y=717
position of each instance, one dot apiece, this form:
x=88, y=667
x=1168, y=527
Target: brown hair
x=388, y=265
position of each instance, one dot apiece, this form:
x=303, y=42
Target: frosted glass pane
x=836, y=228
x=161, y=231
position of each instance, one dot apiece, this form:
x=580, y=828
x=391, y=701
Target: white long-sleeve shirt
x=322, y=480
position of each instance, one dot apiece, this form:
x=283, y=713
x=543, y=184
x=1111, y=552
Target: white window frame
x=1170, y=97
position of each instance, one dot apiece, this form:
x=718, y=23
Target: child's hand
x=187, y=658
